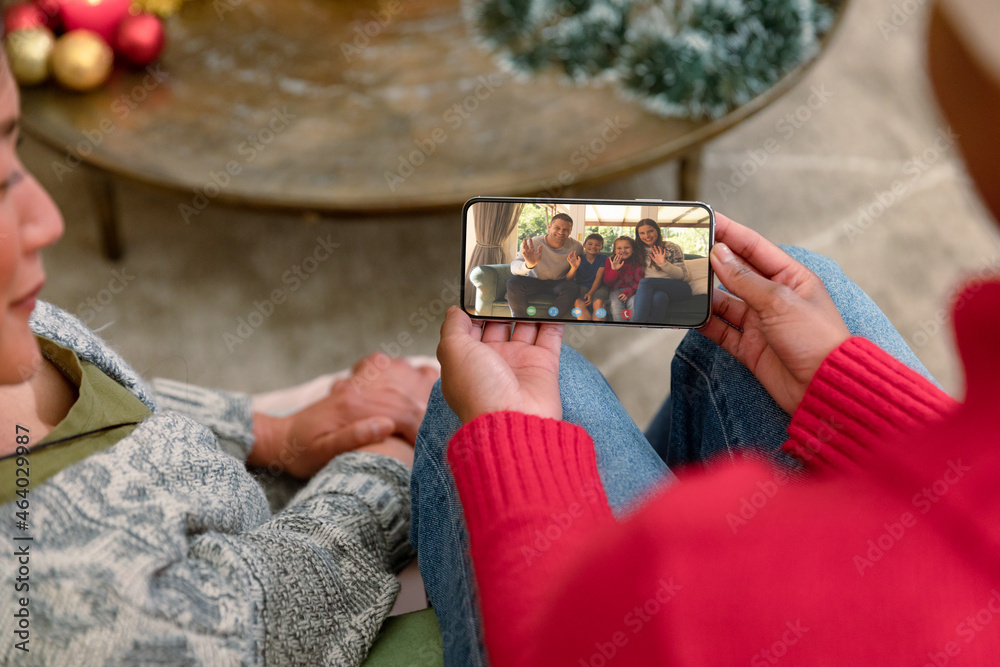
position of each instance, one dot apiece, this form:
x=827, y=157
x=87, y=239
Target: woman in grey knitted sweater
x=666, y=274
x=132, y=531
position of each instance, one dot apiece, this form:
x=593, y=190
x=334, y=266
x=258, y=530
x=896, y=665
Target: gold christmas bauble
x=81, y=60
x=28, y=54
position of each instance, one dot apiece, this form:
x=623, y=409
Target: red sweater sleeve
x=610, y=275
x=530, y=491
x=638, y=273
x=860, y=398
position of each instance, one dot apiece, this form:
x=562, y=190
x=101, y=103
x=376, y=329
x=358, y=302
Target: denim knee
x=573, y=366
x=436, y=406
x=821, y=265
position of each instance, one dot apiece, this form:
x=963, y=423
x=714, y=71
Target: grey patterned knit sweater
x=162, y=549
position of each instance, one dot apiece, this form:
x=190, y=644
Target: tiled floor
x=865, y=134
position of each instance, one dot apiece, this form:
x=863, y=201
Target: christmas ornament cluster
x=680, y=58
x=77, y=42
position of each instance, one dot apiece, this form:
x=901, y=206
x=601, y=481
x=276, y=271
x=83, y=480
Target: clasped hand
x=777, y=319
x=382, y=398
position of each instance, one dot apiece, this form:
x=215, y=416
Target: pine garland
x=686, y=58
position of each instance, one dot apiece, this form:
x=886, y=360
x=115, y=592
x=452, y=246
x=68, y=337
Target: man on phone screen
x=541, y=267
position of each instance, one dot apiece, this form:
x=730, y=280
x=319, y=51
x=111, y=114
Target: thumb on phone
x=742, y=279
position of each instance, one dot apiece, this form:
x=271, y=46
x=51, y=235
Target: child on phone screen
x=622, y=273
x=588, y=272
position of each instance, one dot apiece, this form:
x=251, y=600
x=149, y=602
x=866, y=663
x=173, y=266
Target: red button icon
x=627, y=314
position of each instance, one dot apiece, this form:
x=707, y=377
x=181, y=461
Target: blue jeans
x=653, y=297
x=715, y=408
x=520, y=289
x=616, y=306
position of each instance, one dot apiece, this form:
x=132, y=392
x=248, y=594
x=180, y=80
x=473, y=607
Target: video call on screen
x=623, y=263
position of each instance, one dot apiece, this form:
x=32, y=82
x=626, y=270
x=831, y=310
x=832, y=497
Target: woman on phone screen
x=665, y=276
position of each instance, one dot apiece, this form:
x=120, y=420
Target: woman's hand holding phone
x=499, y=366
x=777, y=318
x=789, y=322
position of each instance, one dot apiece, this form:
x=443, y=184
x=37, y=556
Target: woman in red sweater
x=885, y=552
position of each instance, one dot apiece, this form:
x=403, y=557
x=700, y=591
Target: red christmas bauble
x=50, y=8
x=98, y=16
x=139, y=39
x=22, y=16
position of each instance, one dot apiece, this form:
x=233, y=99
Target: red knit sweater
x=626, y=278
x=888, y=555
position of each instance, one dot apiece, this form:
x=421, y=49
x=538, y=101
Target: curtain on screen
x=494, y=223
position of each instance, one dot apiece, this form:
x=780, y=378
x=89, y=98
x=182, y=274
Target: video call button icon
x=531, y=310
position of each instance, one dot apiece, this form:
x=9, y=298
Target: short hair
x=595, y=236
x=561, y=216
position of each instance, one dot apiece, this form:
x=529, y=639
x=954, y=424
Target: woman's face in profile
x=647, y=234
x=29, y=221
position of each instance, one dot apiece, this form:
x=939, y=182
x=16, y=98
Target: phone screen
x=620, y=262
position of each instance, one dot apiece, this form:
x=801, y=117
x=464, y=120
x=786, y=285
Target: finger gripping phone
x=620, y=262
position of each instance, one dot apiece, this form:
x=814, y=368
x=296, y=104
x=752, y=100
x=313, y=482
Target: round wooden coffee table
x=350, y=106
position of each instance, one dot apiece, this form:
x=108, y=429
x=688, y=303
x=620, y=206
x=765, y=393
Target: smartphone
x=641, y=262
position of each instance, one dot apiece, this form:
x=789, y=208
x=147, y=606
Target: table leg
x=102, y=190
x=689, y=174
